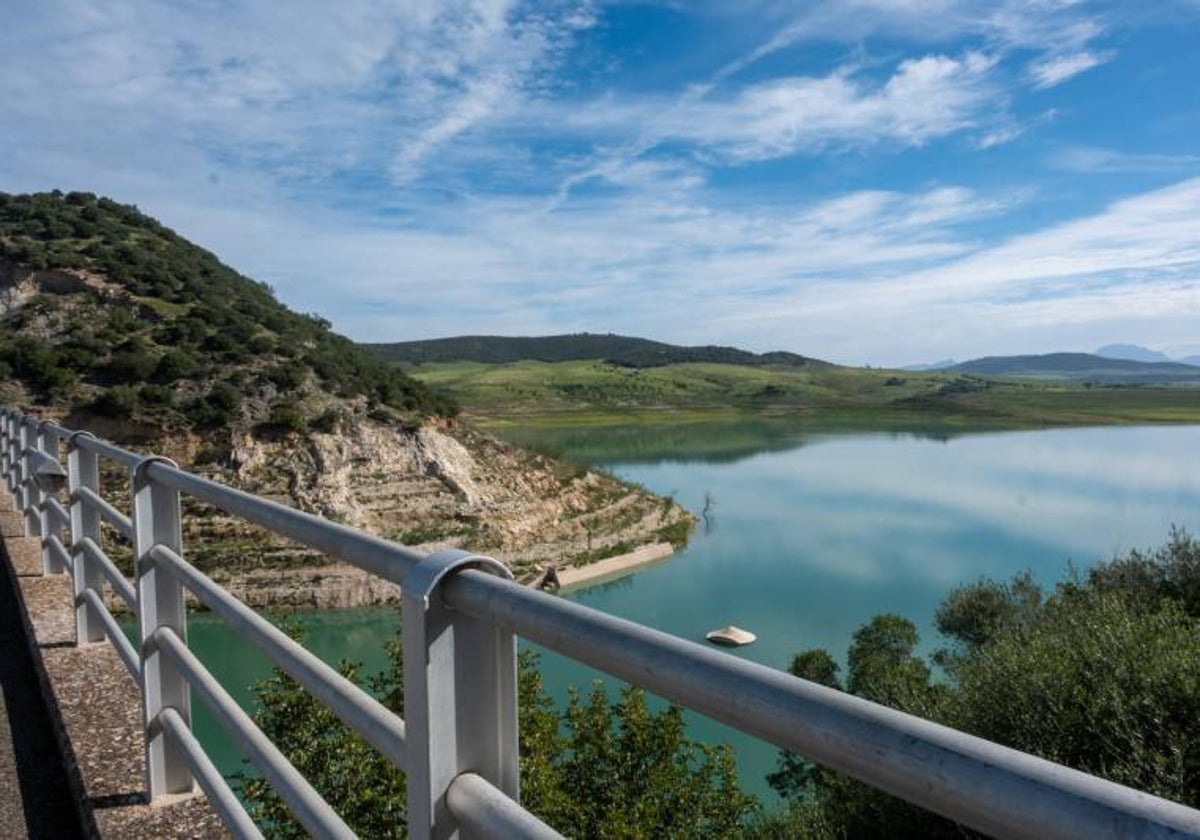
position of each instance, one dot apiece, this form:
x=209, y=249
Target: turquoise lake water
x=810, y=535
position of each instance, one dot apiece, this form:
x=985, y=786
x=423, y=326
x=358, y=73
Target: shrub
x=119, y=402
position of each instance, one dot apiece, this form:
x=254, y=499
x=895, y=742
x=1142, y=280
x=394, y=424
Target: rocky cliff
x=438, y=485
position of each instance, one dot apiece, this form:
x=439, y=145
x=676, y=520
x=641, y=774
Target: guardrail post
x=460, y=695
x=12, y=438
x=5, y=448
x=48, y=443
x=83, y=470
x=14, y=454
x=156, y=521
x=31, y=496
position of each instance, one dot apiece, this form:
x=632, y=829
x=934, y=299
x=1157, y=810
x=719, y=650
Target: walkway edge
x=79, y=797
x=95, y=712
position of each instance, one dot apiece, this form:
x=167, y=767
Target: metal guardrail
x=461, y=614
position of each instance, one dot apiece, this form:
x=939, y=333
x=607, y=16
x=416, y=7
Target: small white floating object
x=731, y=636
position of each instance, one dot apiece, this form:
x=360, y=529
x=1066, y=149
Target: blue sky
x=867, y=181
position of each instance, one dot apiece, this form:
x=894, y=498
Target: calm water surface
x=808, y=536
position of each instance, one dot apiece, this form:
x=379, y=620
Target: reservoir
x=808, y=535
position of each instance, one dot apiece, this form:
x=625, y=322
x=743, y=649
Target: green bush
x=286, y=417
x=156, y=396
x=175, y=365
x=119, y=402
x=130, y=366
x=601, y=769
x=1099, y=675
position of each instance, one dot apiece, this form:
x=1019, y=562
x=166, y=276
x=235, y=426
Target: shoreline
x=338, y=586
x=576, y=578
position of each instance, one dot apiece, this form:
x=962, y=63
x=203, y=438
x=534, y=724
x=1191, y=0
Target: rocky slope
x=439, y=485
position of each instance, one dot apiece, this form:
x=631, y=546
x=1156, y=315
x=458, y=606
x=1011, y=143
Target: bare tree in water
x=709, y=521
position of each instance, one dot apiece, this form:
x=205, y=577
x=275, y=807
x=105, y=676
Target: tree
x=600, y=769
x=337, y=761
x=1099, y=674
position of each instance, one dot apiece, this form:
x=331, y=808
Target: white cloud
x=333, y=87
x=1092, y=160
x=923, y=99
x=1055, y=70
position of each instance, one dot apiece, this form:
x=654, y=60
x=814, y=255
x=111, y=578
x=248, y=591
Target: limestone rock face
x=19, y=285
x=440, y=485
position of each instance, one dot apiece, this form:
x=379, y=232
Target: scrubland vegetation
x=155, y=328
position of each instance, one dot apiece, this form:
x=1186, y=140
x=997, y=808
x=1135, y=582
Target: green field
x=586, y=392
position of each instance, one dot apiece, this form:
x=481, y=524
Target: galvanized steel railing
x=461, y=614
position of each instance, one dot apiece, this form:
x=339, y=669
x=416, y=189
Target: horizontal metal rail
x=223, y=800
x=357, y=709
x=58, y=550
x=108, y=513
x=484, y=810
x=55, y=509
x=109, y=569
x=975, y=782
x=306, y=805
x=386, y=559
x=115, y=635
x=102, y=448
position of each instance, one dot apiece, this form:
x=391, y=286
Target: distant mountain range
x=1081, y=367
x=1112, y=364
x=1137, y=353
x=1133, y=353
x=615, y=349
x=942, y=365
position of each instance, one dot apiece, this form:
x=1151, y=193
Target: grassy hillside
x=104, y=310
x=620, y=350
x=1082, y=367
x=584, y=392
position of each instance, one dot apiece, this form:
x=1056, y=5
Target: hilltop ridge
x=1081, y=367
x=621, y=350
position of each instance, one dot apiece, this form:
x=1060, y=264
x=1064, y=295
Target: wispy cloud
x=922, y=99
x=1055, y=70
x=1089, y=159
x=335, y=87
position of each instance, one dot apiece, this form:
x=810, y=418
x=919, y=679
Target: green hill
x=105, y=311
x=822, y=396
x=620, y=350
x=1081, y=367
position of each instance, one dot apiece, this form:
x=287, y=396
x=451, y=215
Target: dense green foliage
x=1100, y=673
x=599, y=769
x=164, y=329
x=1081, y=367
x=619, y=350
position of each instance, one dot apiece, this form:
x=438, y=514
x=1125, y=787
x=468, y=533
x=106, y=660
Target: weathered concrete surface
x=95, y=707
x=35, y=795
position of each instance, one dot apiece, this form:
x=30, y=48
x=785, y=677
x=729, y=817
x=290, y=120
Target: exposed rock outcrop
x=440, y=485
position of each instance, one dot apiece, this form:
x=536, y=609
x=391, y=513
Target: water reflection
x=820, y=532
x=703, y=441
